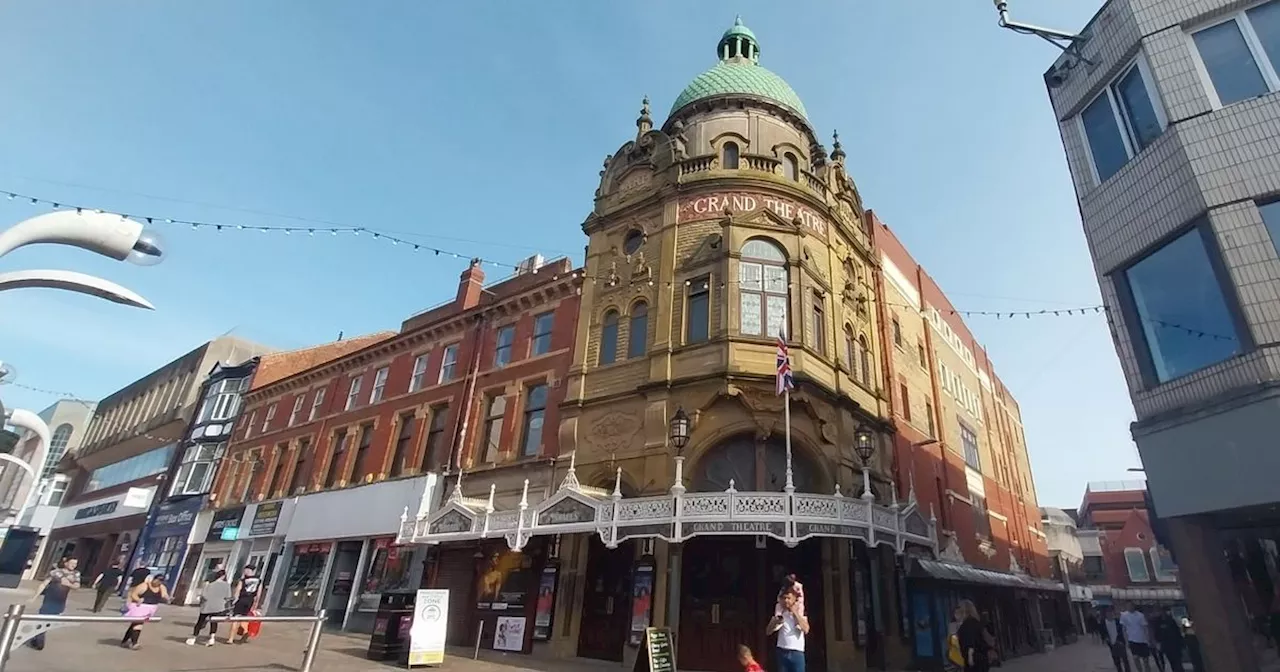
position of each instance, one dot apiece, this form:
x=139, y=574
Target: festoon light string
x=286, y=230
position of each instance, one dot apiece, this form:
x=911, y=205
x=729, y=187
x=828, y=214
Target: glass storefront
x=302, y=589
x=388, y=570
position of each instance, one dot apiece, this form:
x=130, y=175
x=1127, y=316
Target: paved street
x=96, y=647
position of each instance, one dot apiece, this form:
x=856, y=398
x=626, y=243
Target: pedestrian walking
x=106, y=583
x=1137, y=634
x=1114, y=633
x=55, y=590
x=244, y=603
x=973, y=638
x=144, y=600
x=791, y=626
x=1168, y=636
x=215, y=600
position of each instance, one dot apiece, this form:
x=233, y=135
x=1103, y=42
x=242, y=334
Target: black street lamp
x=864, y=445
x=680, y=430
x=679, y=436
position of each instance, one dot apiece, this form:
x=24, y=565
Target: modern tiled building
x=1170, y=117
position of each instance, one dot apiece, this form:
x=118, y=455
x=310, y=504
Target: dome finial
x=738, y=43
x=837, y=152
x=644, y=124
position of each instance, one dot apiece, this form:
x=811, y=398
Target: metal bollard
x=479, y=637
x=9, y=631
x=313, y=642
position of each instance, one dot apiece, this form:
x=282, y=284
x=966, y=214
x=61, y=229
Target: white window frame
x=1166, y=576
x=196, y=454
x=353, y=393
x=447, y=364
x=316, y=402
x=379, y=384
x=1133, y=552
x=1127, y=134
x=1268, y=71
x=248, y=426
x=419, y=373
x=297, y=408
x=271, y=415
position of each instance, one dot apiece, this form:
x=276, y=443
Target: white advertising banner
x=430, y=621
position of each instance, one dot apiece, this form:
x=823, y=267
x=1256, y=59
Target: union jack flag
x=785, y=381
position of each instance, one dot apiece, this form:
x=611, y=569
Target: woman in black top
x=144, y=600
x=973, y=641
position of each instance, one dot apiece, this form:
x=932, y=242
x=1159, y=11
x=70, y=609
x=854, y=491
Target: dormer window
x=729, y=159
x=790, y=167
x=221, y=401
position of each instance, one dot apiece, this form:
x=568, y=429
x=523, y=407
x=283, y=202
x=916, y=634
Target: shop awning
x=950, y=571
x=1108, y=593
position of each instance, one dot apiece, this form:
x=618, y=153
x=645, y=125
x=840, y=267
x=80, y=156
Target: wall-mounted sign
x=665, y=530
x=174, y=519
x=567, y=511
x=96, y=510
x=777, y=529
x=229, y=533
x=831, y=530
x=743, y=203
x=265, y=519
x=223, y=520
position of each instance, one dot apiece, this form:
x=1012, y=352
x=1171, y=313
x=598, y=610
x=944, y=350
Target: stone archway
x=755, y=463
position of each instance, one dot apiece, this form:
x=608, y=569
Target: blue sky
x=480, y=127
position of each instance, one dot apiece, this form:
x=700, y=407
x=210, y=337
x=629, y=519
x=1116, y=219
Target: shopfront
x=166, y=539
x=344, y=563
x=218, y=541
x=99, y=531
x=251, y=536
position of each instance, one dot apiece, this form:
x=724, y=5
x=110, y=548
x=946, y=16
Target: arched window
x=752, y=464
x=57, y=448
x=638, y=334
x=762, y=283
x=864, y=354
x=850, y=349
x=790, y=166
x=609, y=338
x=730, y=161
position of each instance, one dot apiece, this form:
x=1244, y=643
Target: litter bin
x=390, y=638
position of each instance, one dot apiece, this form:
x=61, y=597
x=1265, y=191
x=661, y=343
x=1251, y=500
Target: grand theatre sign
x=788, y=516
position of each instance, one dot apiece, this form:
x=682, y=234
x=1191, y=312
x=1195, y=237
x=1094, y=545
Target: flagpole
x=786, y=414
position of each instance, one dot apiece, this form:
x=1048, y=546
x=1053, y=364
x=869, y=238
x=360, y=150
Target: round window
x=631, y=244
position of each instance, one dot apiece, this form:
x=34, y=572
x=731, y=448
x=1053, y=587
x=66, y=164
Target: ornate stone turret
x=645, y=123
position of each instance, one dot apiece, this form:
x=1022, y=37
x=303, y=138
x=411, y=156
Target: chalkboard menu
x=659, y=652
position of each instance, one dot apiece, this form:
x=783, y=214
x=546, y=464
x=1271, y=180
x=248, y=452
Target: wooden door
x=606, y=601
x=720, y=603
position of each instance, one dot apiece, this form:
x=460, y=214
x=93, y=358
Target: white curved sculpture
x=25, y=419
x=74, y=282
x=109, y=235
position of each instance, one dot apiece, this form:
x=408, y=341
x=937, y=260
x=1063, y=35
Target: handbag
x=954, y=654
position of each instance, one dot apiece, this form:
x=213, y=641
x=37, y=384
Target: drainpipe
x=460, y=434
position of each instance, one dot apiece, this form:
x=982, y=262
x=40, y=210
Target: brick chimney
x=470, y=285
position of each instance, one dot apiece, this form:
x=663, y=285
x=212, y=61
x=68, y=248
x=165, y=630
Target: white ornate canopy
x=791, y=517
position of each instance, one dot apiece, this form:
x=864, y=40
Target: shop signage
x=174, y=519
x=451, y=523
x=743, y=203
x=265, y=519
x=103, y=509
x=509, y=635
x=303, y=549
x=664, y=530
x=567, y=511
x=658, y=654
x=229, y=533
x=430, y=621
x=830, y=530
x=224, y=519
x=544, y=611
x=777, y=529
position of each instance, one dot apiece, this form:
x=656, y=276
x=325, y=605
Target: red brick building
x=475, y=382
x=961, y=452
x=1122, y=558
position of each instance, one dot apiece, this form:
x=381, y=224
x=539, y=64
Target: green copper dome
x=739, y=73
